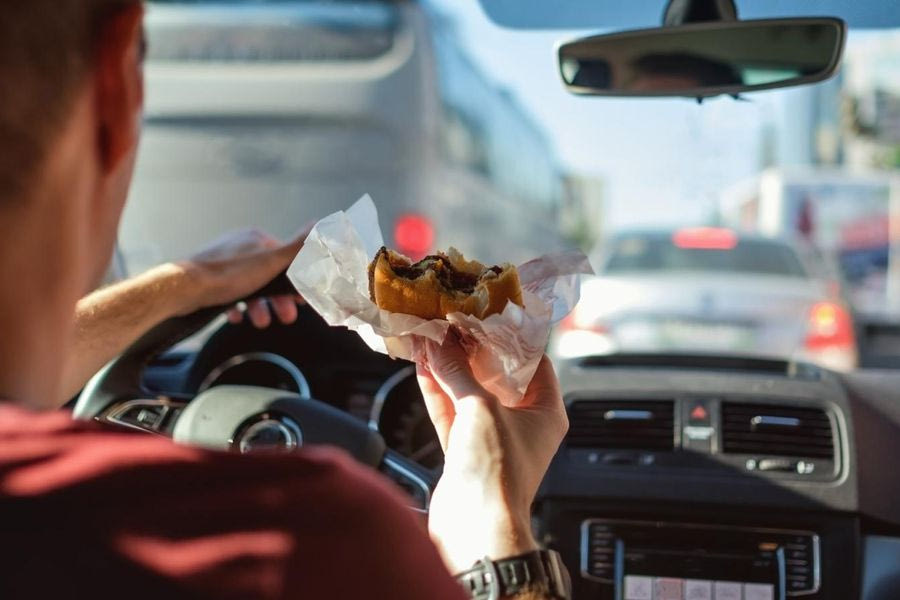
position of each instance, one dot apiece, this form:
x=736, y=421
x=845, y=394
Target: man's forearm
x=109, y=320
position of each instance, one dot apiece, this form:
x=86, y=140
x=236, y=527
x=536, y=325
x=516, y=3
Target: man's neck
x=35, y=313
x=42, y=243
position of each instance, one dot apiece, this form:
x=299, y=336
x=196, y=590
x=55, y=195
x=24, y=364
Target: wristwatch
x=541, y=570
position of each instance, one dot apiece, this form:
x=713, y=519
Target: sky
x=663, y=161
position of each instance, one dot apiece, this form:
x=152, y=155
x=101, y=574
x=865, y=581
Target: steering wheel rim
x=226, y=417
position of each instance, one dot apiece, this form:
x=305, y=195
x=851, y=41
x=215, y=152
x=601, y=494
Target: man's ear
x=119, y=84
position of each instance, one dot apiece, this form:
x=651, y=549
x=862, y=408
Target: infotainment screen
x=673, y=561
x=653, y=573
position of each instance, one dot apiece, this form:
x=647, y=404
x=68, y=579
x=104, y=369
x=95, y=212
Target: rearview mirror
x=704, y=59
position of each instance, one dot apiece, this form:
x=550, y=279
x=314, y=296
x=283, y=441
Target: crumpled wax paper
x=331, y=273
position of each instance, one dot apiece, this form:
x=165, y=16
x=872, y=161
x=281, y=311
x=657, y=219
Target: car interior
x=759, y=477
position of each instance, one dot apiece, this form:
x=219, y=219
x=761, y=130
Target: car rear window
x=640, y=253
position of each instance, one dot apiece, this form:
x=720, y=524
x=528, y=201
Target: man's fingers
x=303, y=232
x=543, y=391
x=544, y=395
x=268, y=242
x=292, y=247
x=258, y=311
x=449, y=364
x=285, y=308
x=439, y=405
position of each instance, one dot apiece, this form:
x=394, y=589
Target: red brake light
x=414, y=235
x=830, y=325
x=577, y=320
x=568, y=322
x=705, y=238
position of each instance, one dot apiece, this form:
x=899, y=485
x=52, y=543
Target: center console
x=704, y=482
x=652, y=552
x=646, y=560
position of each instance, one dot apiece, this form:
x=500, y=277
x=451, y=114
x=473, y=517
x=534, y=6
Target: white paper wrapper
x=331, y=272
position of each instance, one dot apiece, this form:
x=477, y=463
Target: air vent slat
x=813, y=440
x=776, y=430
x=622, y=424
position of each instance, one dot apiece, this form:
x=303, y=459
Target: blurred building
x=871, y=109
x=581, y=214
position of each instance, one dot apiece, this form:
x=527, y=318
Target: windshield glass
x=269, y=114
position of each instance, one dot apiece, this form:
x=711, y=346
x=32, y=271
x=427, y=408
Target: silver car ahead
x=704, y=290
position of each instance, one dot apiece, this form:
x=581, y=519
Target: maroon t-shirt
x=86, y=512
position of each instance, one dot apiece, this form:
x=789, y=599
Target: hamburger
x=441, y=284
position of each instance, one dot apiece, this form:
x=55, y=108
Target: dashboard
x=681, y=477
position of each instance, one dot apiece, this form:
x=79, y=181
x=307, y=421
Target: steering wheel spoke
x=417, y=481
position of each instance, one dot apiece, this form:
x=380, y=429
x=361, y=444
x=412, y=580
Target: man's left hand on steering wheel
x=234, y=266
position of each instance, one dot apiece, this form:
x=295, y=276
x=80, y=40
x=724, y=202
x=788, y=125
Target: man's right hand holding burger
x=495, y=459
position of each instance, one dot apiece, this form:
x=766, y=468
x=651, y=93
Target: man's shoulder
x=42, y=453
x=185, y=522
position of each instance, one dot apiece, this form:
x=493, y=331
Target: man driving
x=92, y=512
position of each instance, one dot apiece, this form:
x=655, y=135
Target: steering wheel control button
x=146, y=415
x=269, y=433
x=638, y=588
x=151, y=417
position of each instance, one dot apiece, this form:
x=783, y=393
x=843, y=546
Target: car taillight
x=568, y=323
x=579, y=320
x=414, y=235
x=581, y=334
x=830, y=325
x=705, y=238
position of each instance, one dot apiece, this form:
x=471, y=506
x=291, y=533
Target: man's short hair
x=46, y=49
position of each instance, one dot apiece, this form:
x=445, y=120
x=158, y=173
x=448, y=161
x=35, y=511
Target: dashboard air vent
x=639, y=425
x=776, y=430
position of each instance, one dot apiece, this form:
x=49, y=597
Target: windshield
x=269, y=114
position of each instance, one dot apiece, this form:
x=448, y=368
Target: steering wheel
x=236, y=418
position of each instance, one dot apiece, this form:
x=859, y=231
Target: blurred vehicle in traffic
x=707, y=290
x=272, y=113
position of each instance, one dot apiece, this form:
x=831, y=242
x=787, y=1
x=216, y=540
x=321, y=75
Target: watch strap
x=539, y=570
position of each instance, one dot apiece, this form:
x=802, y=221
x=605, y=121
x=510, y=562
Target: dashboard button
x=697, y=589
x=798, y=585
x=726, y=590
x=668, y=588
x=776, y=464
x=603, y=570
x=638, y=588
x=699, y=413
x=759, y=591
